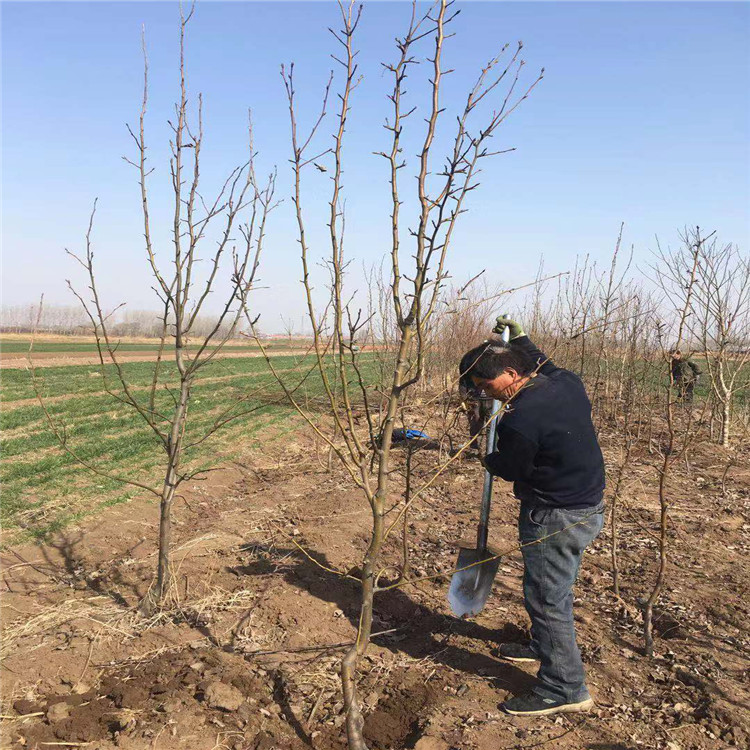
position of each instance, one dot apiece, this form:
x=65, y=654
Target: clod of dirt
x=122, y=720
x=431, y=743
x=171, y=706
x=58, y=711
x=220, y=695
x=263, y=741
x=24, y=706
x=667, y=626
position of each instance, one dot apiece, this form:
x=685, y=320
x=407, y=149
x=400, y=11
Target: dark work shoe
x=532, y=704
x=515, y=652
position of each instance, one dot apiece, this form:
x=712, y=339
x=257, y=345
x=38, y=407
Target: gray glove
x=515, y=328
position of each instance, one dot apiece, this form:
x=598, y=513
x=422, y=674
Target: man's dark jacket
x=546, y=443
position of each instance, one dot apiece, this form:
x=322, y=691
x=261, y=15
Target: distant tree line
x=70, y=320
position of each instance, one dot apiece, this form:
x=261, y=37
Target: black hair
x=488, y=360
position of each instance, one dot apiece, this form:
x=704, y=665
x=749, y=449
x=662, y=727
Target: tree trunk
x=613, y=516
x=726, y=418
x=170, y=485
x=165, y=536
x=613, y=537
x=354, y=718
x=648, y=604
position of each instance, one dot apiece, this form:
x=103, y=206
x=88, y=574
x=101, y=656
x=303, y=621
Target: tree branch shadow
x=422, y=632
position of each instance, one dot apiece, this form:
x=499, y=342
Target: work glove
x=515, y=328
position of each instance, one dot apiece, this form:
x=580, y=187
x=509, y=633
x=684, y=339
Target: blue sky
x=643, y=117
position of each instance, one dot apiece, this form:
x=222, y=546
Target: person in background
x=685, y=375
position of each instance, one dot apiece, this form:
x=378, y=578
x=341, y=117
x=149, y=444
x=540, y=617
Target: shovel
x=470, y=586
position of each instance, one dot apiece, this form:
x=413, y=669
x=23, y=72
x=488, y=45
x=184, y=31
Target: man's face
x=676, y=355
x=503, y=386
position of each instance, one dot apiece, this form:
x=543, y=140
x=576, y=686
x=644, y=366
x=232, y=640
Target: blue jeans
x=550, y=570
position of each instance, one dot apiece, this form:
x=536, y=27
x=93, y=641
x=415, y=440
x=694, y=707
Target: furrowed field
x=45, y=488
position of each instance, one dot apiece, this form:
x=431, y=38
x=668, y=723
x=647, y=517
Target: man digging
x=546, y=445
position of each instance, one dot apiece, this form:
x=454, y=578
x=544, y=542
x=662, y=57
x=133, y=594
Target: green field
x=44, y=488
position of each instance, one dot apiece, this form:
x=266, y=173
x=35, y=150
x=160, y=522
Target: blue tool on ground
x=409, y=434
x=475, y=568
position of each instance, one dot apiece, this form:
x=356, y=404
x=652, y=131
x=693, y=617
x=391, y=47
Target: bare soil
x=246, y=656
x=19, y=360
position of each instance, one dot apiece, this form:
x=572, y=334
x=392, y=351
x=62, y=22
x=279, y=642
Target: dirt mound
x=204, y=698
x=181, y=696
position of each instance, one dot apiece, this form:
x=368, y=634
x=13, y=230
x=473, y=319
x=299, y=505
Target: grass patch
x=44, y=488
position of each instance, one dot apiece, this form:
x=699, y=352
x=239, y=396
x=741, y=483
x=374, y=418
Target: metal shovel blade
x=470, y=588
